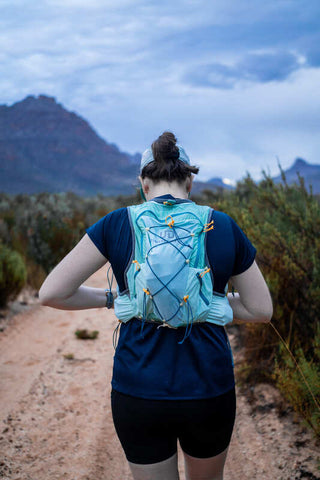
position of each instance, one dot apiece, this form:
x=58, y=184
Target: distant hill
x=310, y=173
x=216, y=184
x=219, y=182
x=44, y=147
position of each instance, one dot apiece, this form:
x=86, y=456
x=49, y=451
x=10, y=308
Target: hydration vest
x=169, y=278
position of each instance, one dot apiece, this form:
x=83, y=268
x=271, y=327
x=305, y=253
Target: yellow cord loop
x=171, y=223
x=202, y=274
x=137, y=264
x=185, y=298
x=146, y=291
x=208, y=226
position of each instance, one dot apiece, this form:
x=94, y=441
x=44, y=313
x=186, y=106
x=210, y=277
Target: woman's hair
x=166, y=164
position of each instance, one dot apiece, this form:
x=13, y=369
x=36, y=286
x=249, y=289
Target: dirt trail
x=55, y=412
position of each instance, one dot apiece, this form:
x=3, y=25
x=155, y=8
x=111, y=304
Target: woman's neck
x=164, y=188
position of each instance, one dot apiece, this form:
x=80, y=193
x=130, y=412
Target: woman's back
x=150, y=362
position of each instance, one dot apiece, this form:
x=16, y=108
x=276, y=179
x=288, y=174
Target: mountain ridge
x=45, y=147
x=309, y=171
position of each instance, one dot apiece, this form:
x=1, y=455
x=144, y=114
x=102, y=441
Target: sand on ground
x=55, y=413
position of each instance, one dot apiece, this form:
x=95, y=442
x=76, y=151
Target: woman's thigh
x=144, y=428
x=205, y=468
x=149, y=429
x=165, y=470
x=207, y=425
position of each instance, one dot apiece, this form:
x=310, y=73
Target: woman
x=168, y=384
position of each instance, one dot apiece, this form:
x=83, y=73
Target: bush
x=13, y=274
x=298, y=380
x=283, y=222
x=35, y=274
x=46, y=226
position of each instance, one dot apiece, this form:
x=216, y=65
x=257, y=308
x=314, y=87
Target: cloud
x=215, y=75
x=267, y=67
x=253, y=67
x=237, y=81
x=313, y=52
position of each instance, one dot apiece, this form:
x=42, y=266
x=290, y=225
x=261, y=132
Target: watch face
x=109, y=299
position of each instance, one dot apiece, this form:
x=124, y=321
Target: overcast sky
x=238, y=81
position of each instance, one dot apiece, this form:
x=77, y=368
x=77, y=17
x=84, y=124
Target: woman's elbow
x=264, y=314
x=45, y=298
x=266, y=318
x=48, y=298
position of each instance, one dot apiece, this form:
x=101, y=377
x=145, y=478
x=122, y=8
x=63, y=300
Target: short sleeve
x=245, y=251
x=97, y=234
x=112, y=236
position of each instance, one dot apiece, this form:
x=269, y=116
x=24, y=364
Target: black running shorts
x=149, y=429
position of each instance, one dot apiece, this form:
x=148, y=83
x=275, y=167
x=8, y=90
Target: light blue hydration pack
x=168, y=276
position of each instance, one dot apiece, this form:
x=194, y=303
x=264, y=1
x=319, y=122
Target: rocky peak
x=37, y=103
x=299, y=163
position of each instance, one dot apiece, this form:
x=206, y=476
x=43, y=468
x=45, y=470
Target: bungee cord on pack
x=144, y=311
x=167, y=281
x=208, y=226
x=171, y=223
x=115, y=335
x=180, y=240
x=189, y=324
x=172, y=278
x=110, y=303
x=137, y=264
x=164, y=242
x=202, y=274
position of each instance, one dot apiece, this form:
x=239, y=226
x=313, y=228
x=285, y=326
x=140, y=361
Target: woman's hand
x=63, y=287
x=253, y=301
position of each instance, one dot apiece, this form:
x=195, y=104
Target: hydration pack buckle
x=165, y=324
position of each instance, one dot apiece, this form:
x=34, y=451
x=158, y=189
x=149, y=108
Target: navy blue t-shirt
x=152, y=364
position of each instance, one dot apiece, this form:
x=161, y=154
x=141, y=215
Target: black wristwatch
x=109, y=299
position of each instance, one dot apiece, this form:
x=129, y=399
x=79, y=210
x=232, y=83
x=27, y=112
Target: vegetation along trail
x=55, y=411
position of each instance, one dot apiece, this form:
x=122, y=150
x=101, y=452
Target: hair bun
x=165, y=148
x=168, y=162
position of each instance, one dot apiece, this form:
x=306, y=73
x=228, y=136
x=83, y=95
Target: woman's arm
x=253, y=301
x=63, y=287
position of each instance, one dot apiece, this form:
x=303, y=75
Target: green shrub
x=85, y=334
x=13, y=274
x=46, y=226
x=35, y=274
x=298, y=380
x=283, y=222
